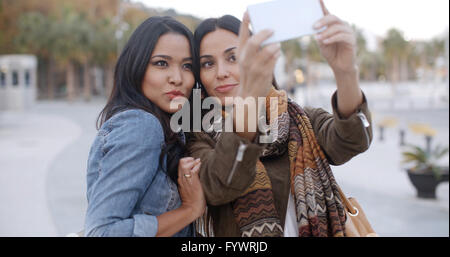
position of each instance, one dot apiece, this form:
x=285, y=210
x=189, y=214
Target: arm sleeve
x=341, y=139
x=130, y=160
x=223, y=177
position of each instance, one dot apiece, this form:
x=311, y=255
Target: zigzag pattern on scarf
x=261, y=181
x=318, y=212
x=266, y=229
x=254, y=210
x=315, y=209
x=278, y=148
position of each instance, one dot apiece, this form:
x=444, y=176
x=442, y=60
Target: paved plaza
x=43, y=155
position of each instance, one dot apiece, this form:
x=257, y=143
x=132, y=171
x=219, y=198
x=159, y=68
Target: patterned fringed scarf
x=319, y=208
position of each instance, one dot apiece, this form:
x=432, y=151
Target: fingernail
x=318, y=36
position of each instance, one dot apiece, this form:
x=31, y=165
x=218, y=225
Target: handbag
x=356, y=224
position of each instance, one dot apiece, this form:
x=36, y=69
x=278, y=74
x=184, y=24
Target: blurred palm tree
x=292, y=52
x=72, y=38
x=433, y=50
x=60, y=38
x=425, y=55
x=301, y=54
x=367, y=60
x=34, y=37
x=395, y=50
x=313, y=56
x=104, y=49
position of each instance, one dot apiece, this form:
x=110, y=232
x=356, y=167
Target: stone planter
x=426, y=183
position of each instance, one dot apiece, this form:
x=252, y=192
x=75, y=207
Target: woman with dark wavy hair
x=284, y=187
x=135, y=163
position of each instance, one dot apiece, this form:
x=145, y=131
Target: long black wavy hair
x=128, y=76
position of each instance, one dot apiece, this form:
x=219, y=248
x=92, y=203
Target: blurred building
x=17, y=81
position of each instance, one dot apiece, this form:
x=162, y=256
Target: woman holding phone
x=283, y=188
x=135, y=162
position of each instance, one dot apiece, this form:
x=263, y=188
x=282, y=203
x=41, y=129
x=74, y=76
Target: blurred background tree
x=77, y=42
x=395, y=50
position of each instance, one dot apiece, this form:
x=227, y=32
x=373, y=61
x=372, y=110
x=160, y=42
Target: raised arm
x=342, y=138
x=337, y=43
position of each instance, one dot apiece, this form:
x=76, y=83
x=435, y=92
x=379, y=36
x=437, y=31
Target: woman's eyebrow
x=161, y=56
x=226, y=51
x=230, y=49
x=170, y=58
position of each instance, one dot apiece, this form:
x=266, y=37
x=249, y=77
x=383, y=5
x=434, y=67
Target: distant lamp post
x=386, y=123
x=402, y=137
x=427, y=131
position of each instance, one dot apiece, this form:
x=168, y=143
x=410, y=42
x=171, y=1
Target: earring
x=199, y=86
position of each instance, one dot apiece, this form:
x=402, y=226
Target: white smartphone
x=287, y=18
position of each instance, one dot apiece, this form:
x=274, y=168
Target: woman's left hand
x=337, y=42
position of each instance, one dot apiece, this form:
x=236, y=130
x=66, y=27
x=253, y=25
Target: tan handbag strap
x=348, y=205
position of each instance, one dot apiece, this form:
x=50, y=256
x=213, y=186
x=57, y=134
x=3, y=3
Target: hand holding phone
x=287, y=18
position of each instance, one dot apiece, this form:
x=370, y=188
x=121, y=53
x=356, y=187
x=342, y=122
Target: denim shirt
x=126, y=185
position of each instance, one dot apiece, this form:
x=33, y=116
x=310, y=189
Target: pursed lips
x=226, y=88
x=175, y=93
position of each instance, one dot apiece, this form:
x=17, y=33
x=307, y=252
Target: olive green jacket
x=224, y=178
